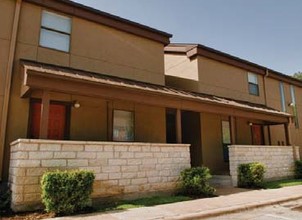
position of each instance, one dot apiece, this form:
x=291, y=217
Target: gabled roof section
x=97, y=16
x=32, y=67
x=193, y=50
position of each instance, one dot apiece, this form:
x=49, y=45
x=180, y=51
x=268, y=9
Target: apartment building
x=76, y=82
x=205, y=70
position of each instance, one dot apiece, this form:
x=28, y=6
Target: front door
x=257, y=135
x=57, y=121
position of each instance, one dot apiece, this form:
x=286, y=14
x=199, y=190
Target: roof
x=146, y=87
x=88, y=13
x=192, y=50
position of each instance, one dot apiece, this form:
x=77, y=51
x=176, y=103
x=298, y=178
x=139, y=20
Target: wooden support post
x=44, y=115
x=233, y=129
x=178, y=126
x=269, y=135
x=109, y=121
x=287, y=134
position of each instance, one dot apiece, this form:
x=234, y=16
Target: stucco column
x=178, y=126
x=287, y=134
x=44, y=115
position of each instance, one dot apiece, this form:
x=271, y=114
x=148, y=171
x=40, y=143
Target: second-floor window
x=294, y=106
x=253, y=84
x=55, y=31
x=282, y=96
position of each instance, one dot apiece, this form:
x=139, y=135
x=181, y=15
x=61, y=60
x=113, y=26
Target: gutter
x=264, y=86
x=8, y=81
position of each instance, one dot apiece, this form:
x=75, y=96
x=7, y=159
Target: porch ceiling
x=72, y=81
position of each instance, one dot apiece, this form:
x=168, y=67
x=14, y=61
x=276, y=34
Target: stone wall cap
x=71, y=142
x=259, y=146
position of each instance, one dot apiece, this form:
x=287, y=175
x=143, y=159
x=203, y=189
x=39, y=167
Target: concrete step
x=221, y=181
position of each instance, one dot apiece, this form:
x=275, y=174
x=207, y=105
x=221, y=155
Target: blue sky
x=267, y=32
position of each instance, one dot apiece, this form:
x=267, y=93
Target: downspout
x=8, y=81
x=264, y=86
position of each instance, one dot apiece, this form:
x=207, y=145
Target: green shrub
x=298, y=169
x=67, y=192
x=5, y=199
x=194, y=182
x=250, y=175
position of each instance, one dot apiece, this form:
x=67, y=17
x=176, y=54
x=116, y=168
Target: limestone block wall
x=121, y=169
x=278, y=160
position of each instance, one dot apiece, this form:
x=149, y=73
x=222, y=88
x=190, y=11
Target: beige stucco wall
x=222, y=79
x=121, y=169
x=278, y=160
x=212, y=149
x=96, y=48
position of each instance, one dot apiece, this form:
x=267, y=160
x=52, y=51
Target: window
x=294, y=106
x=253, y=84
x=123, y=125
x=282, y=95
x=55, y=31
x=226, y=139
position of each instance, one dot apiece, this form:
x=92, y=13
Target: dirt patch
x=26, y=216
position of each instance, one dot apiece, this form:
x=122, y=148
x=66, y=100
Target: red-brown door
x=257, y=135
x=56, y=121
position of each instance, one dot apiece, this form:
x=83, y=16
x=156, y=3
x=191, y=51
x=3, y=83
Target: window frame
x=133, y=125
x=295, y=111
x=56, y=31
x=282, y=97
x=253, y=84
x=225, y=148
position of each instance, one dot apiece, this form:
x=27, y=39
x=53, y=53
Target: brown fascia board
x=193, y=50
x=97, y=16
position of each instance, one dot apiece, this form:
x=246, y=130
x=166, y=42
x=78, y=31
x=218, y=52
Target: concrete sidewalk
x=202, y=208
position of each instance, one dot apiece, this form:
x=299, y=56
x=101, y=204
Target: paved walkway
x=202, y=208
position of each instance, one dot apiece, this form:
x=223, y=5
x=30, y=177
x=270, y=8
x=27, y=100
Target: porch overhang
x=39, y=76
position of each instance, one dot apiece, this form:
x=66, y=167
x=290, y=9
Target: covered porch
x=69, y=104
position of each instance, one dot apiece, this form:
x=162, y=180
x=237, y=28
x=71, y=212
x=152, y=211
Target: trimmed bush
x=5, y=199
x=194, y=182
x=67, y=192
x=298, y=169
x=250, y=175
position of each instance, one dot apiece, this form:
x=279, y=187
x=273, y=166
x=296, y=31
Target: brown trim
x=80, y=87
x=100, y=17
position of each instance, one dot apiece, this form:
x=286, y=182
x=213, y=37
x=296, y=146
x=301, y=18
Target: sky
x=266, y=32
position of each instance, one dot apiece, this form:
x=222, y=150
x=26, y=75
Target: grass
x=143, y=202
x=282, y=183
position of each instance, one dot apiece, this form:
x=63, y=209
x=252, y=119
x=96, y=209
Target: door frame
x=67, y=118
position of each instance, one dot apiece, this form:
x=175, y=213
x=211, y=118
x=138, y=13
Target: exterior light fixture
x=76, y=104
x=250, y=124
x=291, y=104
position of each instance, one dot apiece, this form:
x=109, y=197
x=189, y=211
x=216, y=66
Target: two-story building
x=75, y=74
